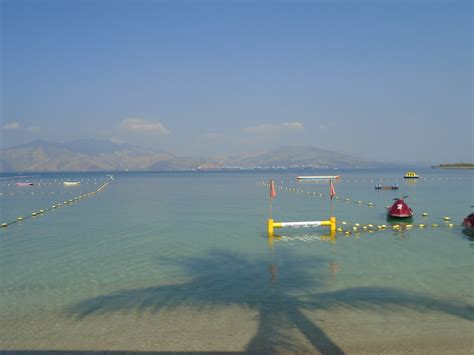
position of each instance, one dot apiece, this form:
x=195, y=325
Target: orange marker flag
x=332, y=192
x=272, y=189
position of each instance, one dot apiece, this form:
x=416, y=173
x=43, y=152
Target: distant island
x=103, y=155
x=454, y=166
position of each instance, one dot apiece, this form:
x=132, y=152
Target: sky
x=381, y=80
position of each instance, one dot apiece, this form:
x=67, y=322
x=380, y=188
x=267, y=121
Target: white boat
x=71, y=183
x=318, y=177
x=24, y=184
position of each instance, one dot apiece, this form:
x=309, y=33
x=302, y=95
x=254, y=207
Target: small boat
x=468, y=223
x=24, y=184
x=399, y=209
x=319, y=177
x=381, y=187
x=71, y=183
x=411, y=175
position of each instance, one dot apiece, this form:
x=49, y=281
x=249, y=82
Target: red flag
x=332, y=192
x=272, y=189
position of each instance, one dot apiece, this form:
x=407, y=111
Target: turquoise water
x=195, y=243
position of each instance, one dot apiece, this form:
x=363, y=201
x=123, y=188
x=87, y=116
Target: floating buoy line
x=317, y=194
x=380, y=180
x=43, y=187
x=348, y=228
x=56, y=206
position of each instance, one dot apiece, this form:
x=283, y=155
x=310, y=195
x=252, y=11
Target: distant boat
x=381, y=187
x=71, y=183
x=411, y=175
x=400, y=209
x=24, y=184
x=318, y=177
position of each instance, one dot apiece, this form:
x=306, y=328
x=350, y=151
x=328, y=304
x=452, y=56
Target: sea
x=181, y=261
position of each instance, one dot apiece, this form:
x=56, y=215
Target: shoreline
x=454, y=167
x=241, y=330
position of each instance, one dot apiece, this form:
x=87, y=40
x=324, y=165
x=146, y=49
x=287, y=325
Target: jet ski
x=468, y=222
x=399, y=209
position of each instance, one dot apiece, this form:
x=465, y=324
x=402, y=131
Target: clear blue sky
x=385, y=80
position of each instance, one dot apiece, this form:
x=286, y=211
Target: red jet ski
x=468, y=222
x=399, y=209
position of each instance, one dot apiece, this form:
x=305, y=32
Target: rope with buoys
x=55, y=206
x=309, y=193
x=354, y=228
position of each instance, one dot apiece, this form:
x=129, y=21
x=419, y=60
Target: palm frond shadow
x=223, y=279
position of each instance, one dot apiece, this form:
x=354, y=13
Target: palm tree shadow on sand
x=280, y=296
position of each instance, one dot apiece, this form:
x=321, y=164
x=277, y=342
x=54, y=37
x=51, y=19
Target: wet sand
x=237, y=329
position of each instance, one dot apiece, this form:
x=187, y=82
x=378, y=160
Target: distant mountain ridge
x=103, y=155
x=300, y=156
x=80, y=155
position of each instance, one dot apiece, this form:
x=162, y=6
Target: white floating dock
x=300, y=224
x=318, y=177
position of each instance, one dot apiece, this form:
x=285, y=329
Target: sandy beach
x=236, y=329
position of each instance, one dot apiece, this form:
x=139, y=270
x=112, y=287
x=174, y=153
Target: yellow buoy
x=434, y=225
x=446, y=218
x=424, y=214
x=4, y=225
x=19, y=219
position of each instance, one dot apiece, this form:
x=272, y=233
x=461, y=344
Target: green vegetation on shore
x=455, y=166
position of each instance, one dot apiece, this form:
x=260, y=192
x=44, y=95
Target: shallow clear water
x=195, y=242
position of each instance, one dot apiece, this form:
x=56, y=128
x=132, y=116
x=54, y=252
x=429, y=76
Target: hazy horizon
x=89, y=144
x=385, y=81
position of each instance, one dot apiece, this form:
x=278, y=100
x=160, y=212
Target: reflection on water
x=402, y=222
x=333, y=267
x=331, y=237
x=411, y=181
x=273, y=271
x=468, y=233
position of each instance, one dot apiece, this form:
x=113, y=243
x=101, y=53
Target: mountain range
x=102, y=155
